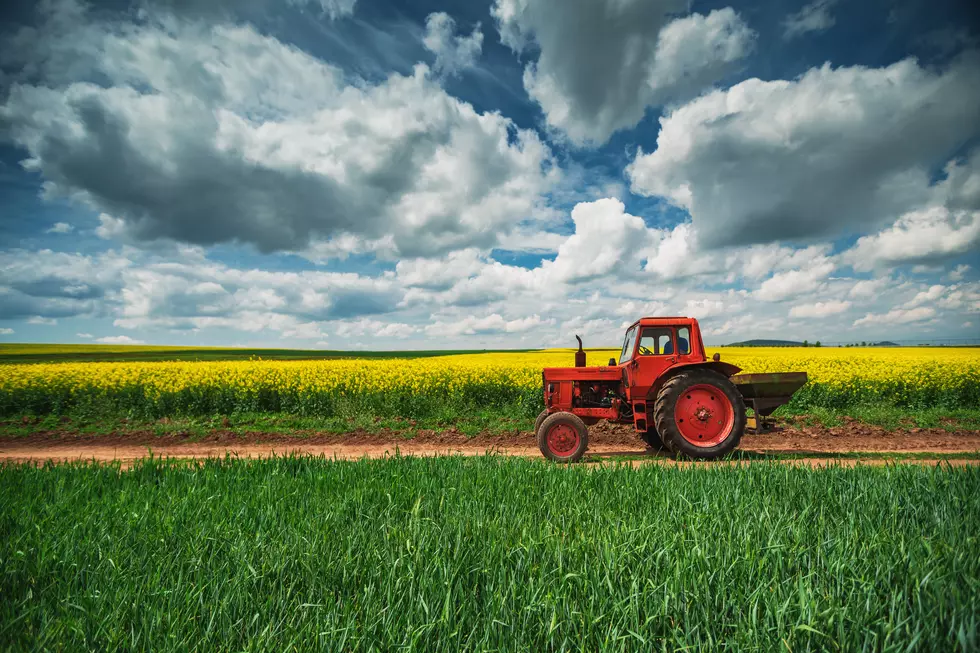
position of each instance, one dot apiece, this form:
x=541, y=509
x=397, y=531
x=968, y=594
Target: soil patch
x=606, y=441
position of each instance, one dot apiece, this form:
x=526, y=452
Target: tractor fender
x=726, y=369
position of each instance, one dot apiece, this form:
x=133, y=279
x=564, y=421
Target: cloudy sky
x=393, y=175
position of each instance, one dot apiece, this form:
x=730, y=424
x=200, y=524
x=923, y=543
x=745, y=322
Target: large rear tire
x=563, y=437
x=652, y=439
x=700, y=413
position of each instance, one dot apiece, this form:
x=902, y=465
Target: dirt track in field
x=812, y=445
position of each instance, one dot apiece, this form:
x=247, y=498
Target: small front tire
x=563, y=437
x=541, y=417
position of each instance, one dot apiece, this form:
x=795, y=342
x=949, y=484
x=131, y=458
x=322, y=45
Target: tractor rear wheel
x=652, y=439
x=700, y=413
x=541, y=417
x=563, y=437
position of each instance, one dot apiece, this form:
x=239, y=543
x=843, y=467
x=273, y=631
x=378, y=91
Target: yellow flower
x=898, y=374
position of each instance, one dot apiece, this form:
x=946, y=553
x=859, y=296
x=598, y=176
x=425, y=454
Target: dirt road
x=815, y=445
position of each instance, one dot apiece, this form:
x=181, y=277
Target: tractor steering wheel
x=646, y=352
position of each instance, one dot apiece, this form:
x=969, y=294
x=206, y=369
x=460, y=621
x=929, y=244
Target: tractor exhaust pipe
x=580, y=354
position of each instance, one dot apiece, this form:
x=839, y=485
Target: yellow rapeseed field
x=915, y=377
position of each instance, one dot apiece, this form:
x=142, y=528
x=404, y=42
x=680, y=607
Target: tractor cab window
x=655, y=341
x=628, y=345
x=683, y=340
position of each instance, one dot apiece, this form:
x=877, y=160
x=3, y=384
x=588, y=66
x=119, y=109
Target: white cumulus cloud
x=838, y=150
x=897, y=316
x=794, y=283
x=818, y=310
x=959, y=272
x=606, y=238
x=602, y=63
x=489, y=324
x=60, y=228
x=291, y=154
x=814, y=17
x=119, y=340
x=454, y=53
x=929, y=234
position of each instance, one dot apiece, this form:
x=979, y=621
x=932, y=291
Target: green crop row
x=963, y=392
x=135, y=401
x=507, y=400
x=488, y=554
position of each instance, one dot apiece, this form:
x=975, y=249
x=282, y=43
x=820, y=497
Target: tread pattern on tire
x=653, y=440
x=663, y=413
x=576, y=422
x=540, y=418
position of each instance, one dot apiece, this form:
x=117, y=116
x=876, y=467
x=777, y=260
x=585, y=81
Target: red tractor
x=666, y=387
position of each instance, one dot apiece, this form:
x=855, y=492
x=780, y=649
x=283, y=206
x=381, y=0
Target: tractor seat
x=681, y=342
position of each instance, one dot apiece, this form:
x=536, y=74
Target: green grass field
x=488, y=554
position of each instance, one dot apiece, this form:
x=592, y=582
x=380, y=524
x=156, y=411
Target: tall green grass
x=488, y=554
x=904, y=393
x=438, y=405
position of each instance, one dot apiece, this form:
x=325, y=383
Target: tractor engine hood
x=604, y=373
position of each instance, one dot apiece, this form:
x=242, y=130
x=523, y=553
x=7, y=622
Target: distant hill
x=886, y=343
x=766, y=343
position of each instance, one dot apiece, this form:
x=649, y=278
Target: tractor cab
x=655, y=344
x=652, y=346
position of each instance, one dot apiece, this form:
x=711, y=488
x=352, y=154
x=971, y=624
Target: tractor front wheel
x=541, y=417
x=563, y=437
x=700, y=413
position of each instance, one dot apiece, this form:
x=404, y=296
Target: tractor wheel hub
x=704, y=415
x=563, y=439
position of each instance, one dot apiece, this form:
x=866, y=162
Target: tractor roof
x=664, y=321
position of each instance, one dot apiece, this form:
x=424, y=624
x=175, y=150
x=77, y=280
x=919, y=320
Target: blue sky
x=393, y=175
